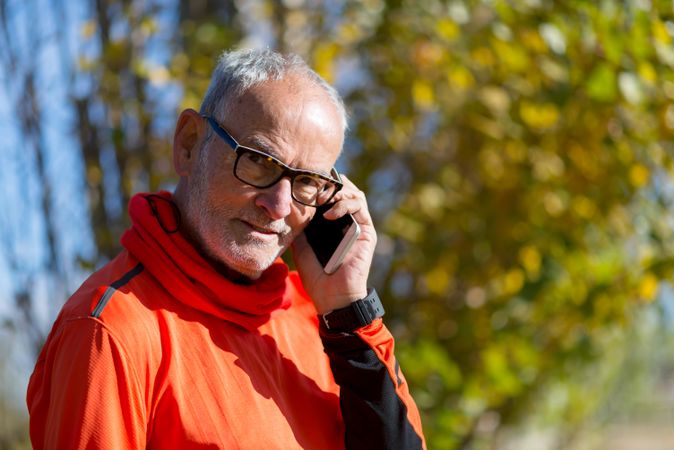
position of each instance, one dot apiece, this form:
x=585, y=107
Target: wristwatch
x=358, y=314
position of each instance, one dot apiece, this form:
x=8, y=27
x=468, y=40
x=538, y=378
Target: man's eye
x=309, y=181
x=258, y=159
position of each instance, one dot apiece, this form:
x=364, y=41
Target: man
x=196, y=335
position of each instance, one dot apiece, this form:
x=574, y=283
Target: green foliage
x=529, y=209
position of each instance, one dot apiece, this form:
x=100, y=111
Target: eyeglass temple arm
x=336, y=176
x=221, y=132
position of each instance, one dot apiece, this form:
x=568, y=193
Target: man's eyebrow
x=260, y=144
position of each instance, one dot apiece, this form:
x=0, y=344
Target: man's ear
x=190, y=132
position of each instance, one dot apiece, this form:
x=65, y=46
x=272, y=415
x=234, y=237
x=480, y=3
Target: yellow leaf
x=460, y=77
x=512, y=57
x=639, y=175
x=532, y=40
x=350, y=33
x=516, y=151
x=324, y=56
x=584, y=207
x=511, y=282
x=88, y=29
x=647, y=73
x=648, y=288
x=149, y=26
x=514, y=281
x=422, y=93
x=539, y=116
x=660, y=32
x=531, y=260
x=483, y=56
x=447, y=29
x=437, y=280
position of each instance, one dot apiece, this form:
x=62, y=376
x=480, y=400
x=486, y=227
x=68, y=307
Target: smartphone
x=331, y=239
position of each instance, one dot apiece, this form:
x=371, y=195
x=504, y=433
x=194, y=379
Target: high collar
x=155, y=241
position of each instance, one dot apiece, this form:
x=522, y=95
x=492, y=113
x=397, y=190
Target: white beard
x=246, y=255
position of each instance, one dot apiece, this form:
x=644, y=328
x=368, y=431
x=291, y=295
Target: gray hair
x=237, y=71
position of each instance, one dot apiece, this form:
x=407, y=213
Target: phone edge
x=343, y=248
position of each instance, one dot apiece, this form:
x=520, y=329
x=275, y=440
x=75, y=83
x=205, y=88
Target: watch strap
x=357, y=315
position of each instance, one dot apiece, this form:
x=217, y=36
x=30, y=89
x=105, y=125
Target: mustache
x=278, y=226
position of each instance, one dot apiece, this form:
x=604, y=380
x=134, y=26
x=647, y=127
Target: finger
x=347, y=187
x=350, y=199
x=351, y=205
x=357, y=207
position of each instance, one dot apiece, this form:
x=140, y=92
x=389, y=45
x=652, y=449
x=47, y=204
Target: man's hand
x=349, y=282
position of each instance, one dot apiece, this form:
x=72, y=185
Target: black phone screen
x=324, y=236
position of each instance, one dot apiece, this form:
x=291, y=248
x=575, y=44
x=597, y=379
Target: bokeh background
x=518, y=160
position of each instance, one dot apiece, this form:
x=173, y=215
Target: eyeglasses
x=258, y=169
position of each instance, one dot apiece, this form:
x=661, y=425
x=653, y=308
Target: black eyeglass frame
x=286, y=172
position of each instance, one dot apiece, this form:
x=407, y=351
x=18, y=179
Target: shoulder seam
x=114, y=286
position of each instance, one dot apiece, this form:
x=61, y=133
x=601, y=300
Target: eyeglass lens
x=262, y=171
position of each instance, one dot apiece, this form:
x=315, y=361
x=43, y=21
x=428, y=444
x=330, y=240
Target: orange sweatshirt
x=157, y=350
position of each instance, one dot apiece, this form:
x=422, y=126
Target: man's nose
x=277, y=199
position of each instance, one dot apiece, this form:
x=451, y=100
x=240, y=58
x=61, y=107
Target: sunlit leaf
x=601, y=84
x=422, y=93
x=648, y=287
x=88, y=29
x=639, y=175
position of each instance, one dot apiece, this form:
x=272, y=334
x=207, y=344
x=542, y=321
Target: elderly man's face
x=244, y=227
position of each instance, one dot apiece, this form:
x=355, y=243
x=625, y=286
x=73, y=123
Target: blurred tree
x=21, y=79
x=525, y=148
x=124, y=149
